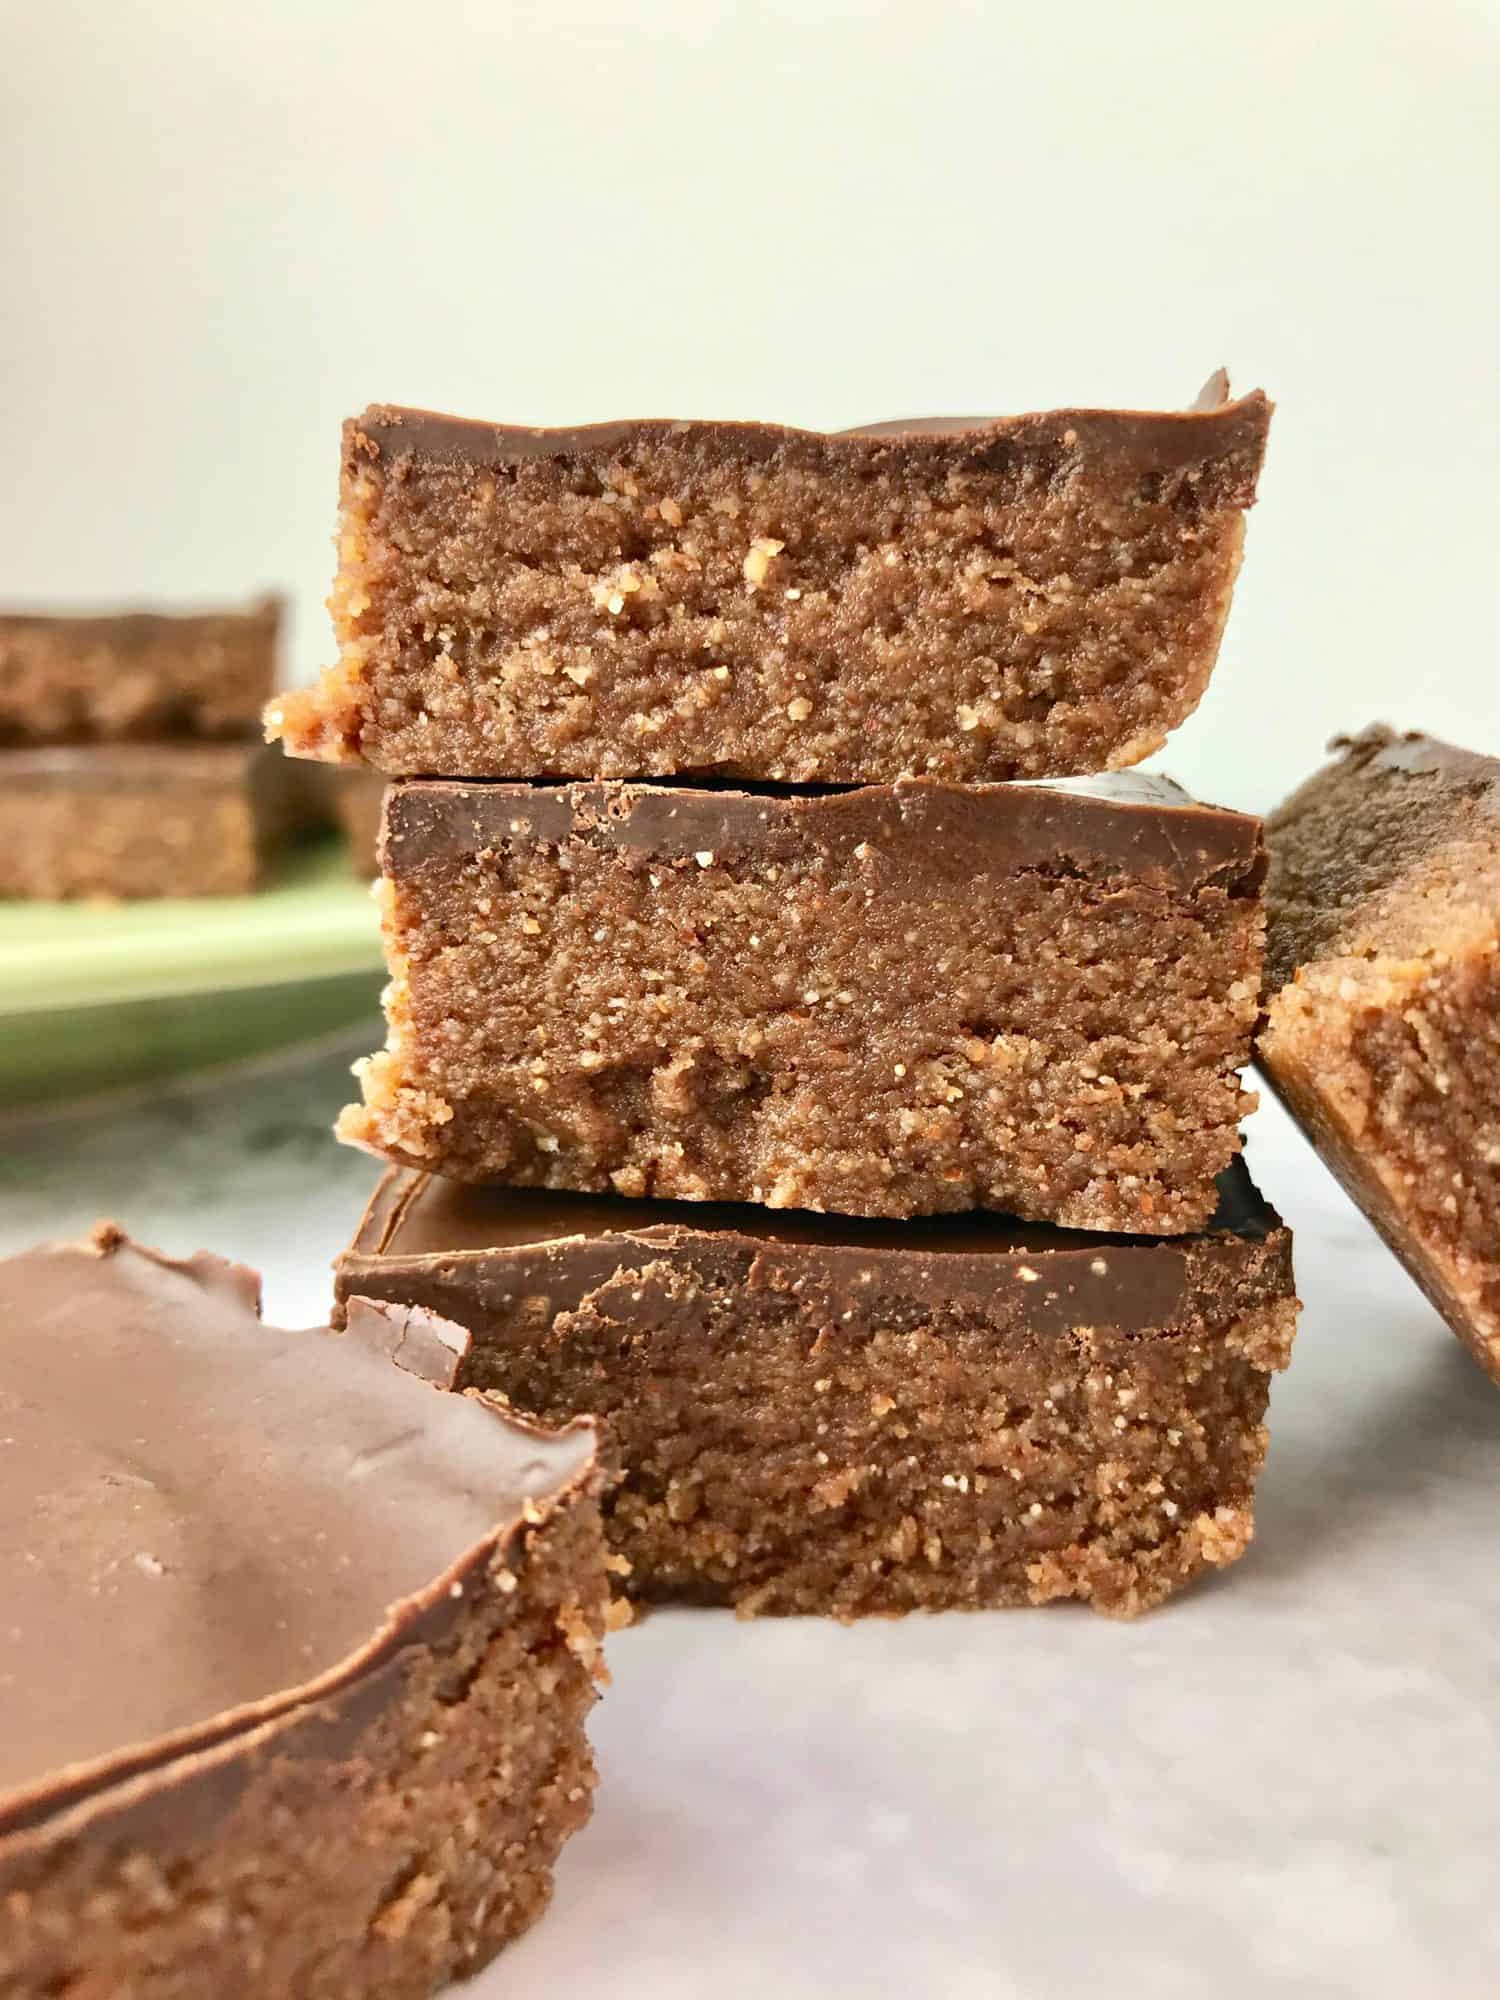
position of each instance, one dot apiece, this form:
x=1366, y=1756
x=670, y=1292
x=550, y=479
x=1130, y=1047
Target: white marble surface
x=1288, y=1782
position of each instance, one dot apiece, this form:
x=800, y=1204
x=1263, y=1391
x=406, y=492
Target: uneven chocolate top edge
x=1151, y=440
x=924, y=826
x=1212, y=396
x=412, y=1618
x=1362, y=767
x=1061, y=1277
x=1384, y=751
x=217, y=1276
x=142, y=621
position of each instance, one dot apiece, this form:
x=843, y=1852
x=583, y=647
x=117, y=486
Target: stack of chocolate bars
x=130, y=759
x=797, y=1060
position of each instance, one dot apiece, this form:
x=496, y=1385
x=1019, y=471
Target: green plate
x=99, y=995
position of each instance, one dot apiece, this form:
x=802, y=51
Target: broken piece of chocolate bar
x=297, y=1652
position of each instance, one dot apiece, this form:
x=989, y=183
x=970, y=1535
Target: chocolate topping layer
x=535, y=1242
x=212, y=1521
x=1380, y=853
x=1229, y=435
x=1379, y=749
x=1125, y=822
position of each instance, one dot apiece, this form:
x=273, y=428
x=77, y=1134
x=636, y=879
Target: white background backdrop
x=223, y=229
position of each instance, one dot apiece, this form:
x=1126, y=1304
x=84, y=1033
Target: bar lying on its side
x=129, y=820
x=137, y=674
x=891, y=1001
x=803, y=1413
x=295, y=1700
x=968, y=598
x=1383, y=1025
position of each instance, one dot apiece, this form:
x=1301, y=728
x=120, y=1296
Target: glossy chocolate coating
x=514, y=1243
x=1226, y=438
x=213, y=1522
x=1125, y=822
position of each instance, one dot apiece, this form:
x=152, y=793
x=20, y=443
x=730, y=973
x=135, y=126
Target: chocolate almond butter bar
x=128, y=820
x=889, y=1001
x=968, y=597
x=807, y=1413
x=68, y=679
x=295, y=1653
x=1383, y=1024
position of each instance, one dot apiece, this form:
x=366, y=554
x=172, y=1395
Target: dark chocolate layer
x=1228, y=436
x=212, y=1521
x=537, y=1242
x=1126, y=824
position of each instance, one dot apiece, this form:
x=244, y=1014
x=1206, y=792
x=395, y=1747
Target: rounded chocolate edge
x=189, y=1784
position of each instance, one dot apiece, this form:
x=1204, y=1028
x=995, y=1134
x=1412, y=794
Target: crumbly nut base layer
x=933, y=1459
x=796, y=1033
x=671, y=609
x=1393, y=1067
x=135, y=677
x=1384, y=1035
x=404, y=1861
x=126, y=844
